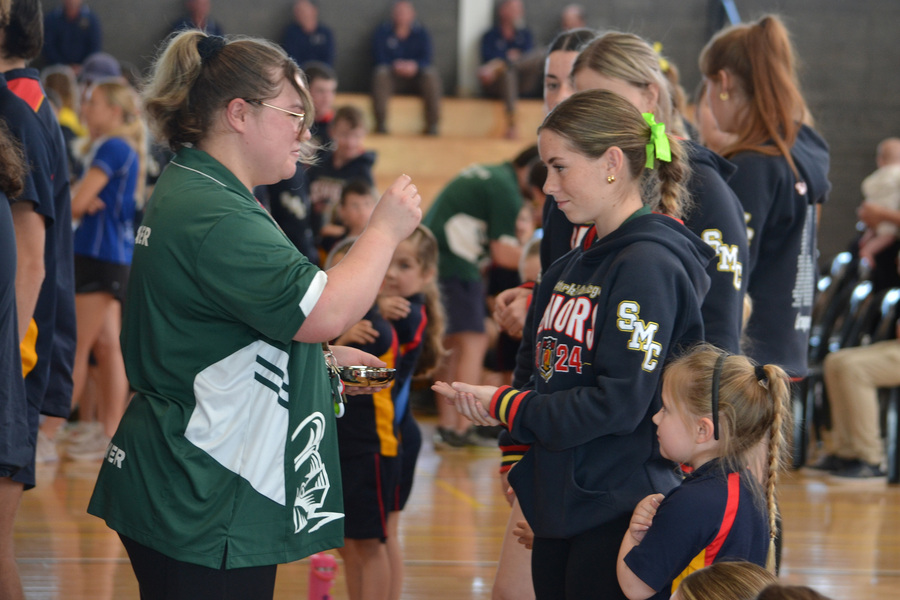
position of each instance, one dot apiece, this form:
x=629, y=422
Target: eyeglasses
x=299, y=118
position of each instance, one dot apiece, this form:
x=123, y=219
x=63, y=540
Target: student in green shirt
x=225, y=463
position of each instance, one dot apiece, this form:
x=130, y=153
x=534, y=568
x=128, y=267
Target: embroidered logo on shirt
x=642, y=333
x=727, y=255
x=547, y=350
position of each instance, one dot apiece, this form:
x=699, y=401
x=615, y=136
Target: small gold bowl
x=360, y=376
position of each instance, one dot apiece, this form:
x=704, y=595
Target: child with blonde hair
x=716, y=409
x=411, y=302
x=105, y=201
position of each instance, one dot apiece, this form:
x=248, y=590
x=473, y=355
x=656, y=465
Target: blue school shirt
x=108, y=235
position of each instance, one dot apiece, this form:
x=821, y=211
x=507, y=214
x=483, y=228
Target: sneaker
x=831, y=463
x=858, y=469
x=481, y=437
x=90, y=449
x=77, y=433
x=447, y=438
x=45, y=452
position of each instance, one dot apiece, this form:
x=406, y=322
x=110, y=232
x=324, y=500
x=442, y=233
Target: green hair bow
x=659, y=143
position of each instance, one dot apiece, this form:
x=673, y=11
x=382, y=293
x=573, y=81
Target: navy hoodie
x=781, y=227
x=718, y=219
x=607, y=315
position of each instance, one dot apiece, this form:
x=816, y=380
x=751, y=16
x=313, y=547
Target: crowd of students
x=617, y=419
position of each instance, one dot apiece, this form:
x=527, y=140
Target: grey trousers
x=426, y=83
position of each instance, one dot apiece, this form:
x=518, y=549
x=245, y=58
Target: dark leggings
x=581, y=567
x=164, y=578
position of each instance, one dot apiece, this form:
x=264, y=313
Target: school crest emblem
x=546, y=354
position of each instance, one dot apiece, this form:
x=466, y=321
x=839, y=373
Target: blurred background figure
x=572, y=17
x=71, y=33
x=403, y=60
x=307, y=39
x=197, y=17
x=510, y=64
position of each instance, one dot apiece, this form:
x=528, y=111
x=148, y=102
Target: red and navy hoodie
x=607, y=316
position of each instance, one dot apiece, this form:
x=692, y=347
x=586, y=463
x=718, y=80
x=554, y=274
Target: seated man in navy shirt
x=71, y=34
x=306, y=39
x=510, y=63
x=198, y=18
x=403, y=53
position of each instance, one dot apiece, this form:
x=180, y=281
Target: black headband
x=717, y=375
x=209, y=46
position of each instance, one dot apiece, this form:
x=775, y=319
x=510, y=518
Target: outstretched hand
x=470, y=400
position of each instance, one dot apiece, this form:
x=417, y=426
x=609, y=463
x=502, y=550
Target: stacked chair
x=890, y=397
x=830, y=310
x=847, y=313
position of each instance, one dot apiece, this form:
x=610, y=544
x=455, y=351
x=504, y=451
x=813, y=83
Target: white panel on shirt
x=238, y=419
x=466, y=236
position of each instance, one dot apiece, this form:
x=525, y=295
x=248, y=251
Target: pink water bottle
x=322, y=571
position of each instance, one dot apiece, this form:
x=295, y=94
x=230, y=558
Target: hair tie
x=761, y=376
x=717, y=375
x=209, y=46
x=663, y=63
x=659, y=143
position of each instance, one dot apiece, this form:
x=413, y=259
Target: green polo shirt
x=229, y=441
x=479, y=206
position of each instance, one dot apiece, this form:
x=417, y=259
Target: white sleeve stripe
x=313, y=293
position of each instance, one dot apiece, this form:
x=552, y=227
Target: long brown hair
x=433, y=350
x=761, y=58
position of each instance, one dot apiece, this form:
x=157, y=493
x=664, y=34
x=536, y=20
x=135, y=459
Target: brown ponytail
x=761, y=58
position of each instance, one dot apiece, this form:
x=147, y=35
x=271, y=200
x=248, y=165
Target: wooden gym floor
x=841, y=539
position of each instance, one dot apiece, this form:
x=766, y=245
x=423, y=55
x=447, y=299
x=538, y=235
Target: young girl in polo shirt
x=716, y=409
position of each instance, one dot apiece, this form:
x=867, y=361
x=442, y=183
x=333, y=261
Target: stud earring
x=723, y=96
x=610, y=178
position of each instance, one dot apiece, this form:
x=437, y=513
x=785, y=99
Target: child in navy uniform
x=369, y=453
x=716, y=409
x=411, y=301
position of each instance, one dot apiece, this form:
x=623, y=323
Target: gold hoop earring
x=610, y=178
x=723, y=96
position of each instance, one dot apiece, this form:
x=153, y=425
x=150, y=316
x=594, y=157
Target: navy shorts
x=410, y=445
x=92, y=275
x=26, y=475
x=370, y=486
x=464, y=305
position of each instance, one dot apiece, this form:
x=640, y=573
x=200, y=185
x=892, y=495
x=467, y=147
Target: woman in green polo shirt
x=225, y=463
